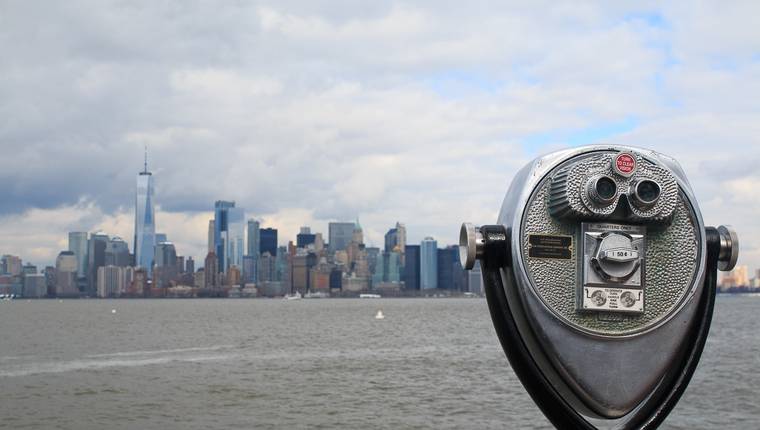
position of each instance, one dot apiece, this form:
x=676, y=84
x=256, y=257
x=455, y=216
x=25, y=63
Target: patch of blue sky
x=596, y=133
x=651, y=18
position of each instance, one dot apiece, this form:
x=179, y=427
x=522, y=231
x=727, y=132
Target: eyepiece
x=602, y=190
x=644, y=193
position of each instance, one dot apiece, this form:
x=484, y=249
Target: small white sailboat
x=379, y=315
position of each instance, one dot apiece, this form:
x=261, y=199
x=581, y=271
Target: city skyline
x=288, y=112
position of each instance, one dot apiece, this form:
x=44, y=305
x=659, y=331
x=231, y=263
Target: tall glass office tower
x=229, y=234
x=145, y=224
x=236, y=231
x=78, y=245
x=428, y=264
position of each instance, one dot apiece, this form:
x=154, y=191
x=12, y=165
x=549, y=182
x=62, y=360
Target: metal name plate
x=550, y=246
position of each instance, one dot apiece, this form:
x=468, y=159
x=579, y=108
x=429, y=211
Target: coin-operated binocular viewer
x=600, y=278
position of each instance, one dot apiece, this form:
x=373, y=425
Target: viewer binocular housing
x=600, y=278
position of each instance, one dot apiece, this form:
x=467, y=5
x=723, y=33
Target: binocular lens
x=606, y=188
x=647, y=192
x=602, y=190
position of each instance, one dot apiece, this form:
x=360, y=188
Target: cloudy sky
x=305, y=112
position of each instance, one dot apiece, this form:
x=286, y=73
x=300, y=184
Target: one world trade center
x=145, y=226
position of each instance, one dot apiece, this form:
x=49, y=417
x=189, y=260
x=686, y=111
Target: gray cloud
x=332, y=110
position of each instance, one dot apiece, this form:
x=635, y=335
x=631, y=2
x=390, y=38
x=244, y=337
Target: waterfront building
x=232, y=277
x=373, y=254
x=395, y=240
x=221, y=232
x=475, y=279
x=49, y=273
x=236, y=234
x=355, y=284
x=12, y=265
x=450, y=271
x=305, y=239
x=336, y=280
x=738, y=277
x=35, y=285
x=267, y=268
x=250, y=271
x=319, y=242
x=254, y=240
x=78, y=245
x=339, y=235
x=211, y=271
x=145, y=226
x=211, y=246
x=96, y=254
x=301, y=266
x=268, y=241
x=165, y=270
x=28, y=269
x=281, y=264
x=139, y=286
x=378, y=273
x=117, y=253
x=66, y=266
x=199, y=278
x=190, y=265
x=392, y=267
x=111, y=281
x=412, y=267
x=428, y=264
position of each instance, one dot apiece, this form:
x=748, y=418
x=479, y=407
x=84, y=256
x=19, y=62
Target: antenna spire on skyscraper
x=145, y=170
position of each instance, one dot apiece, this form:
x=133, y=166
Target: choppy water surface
x=178, y=364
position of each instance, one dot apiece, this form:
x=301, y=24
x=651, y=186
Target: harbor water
x=311, y=363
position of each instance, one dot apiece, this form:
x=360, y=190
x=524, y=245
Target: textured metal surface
x=568, y=197
x=671, y=257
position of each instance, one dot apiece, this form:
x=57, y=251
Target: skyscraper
x=303, y=239
x=339, y=235
x=268, y=241
x=229, y=234
x=211, y=246
x=450, y=271
x=236, y=233
x=78, y=245
x=66, y=274
x=145, y=227
x=211, y=271
x=254, y=238
x=166, y=265
x=412, y=267
x=428, y=264
x=117, y=253
x=96, y=258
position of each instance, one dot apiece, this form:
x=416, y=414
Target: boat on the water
x=294, y=296
x=316, y=295
x=369, y=296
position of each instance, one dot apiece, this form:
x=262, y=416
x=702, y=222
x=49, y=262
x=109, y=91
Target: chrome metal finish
x=602, y=292
x=562, y=348
x=470, y=245
x=729, y=248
